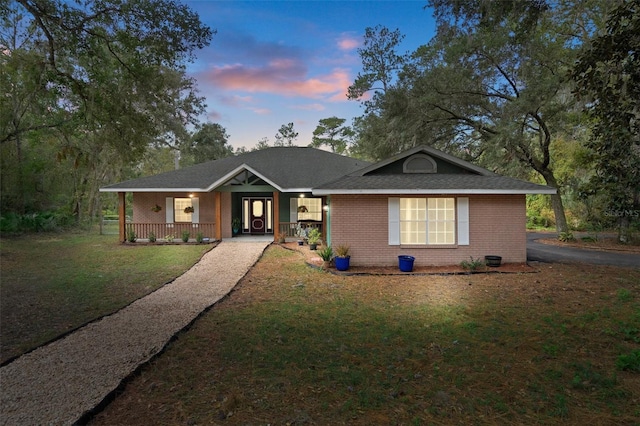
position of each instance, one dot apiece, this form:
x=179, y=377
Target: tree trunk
x=623, y=229
x=556, y=201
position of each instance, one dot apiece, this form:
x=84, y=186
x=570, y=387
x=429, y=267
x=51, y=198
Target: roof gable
x=417, y=160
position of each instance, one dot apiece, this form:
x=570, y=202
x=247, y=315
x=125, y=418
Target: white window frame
x=402, y=225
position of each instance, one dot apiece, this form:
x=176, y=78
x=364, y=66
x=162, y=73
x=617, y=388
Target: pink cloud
x=310, y=107
x=285, y=77
x=348, y=43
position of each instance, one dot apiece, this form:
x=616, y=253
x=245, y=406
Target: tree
x=607, y=75
x=380, y=64
x=209, y=142
x=97, y=76
x=491, y=86
x=286, y=135
x=333, y=133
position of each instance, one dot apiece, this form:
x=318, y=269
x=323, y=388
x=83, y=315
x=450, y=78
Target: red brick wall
x=497, y=226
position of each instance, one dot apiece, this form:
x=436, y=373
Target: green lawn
x=52, y=283
x=294, y=345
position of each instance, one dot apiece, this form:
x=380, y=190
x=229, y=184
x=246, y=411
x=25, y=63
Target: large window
x=309, y=209
x=179, y=204
x=427, y=221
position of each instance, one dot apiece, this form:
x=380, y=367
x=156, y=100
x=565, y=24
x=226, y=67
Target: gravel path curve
x=59, y=382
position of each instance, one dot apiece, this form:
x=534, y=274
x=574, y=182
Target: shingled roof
x=472, y=179
x=287, y=169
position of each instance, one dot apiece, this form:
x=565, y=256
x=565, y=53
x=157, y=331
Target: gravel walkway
x=59, y=382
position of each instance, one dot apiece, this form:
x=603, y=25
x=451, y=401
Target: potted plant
x=235, y=225
x=156, y=208
x=326, y=254
x=189, y=209
x=313, y=238
x=493, y=260
x=342, y=257
x=301, y=233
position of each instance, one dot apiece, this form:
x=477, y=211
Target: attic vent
x=419, y=163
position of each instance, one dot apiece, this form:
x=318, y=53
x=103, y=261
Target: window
x=179, y=204
x=309, y=209
x=427, y=221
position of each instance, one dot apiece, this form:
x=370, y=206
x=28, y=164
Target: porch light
x=325, y=207
x=301, y=196
x=190, y=195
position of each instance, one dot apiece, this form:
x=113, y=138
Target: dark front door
x=258, y=215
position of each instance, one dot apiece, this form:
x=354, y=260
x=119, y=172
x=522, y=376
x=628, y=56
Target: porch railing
x=289, y=229
x=161, y=230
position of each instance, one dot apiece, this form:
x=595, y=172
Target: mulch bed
x=315, y=261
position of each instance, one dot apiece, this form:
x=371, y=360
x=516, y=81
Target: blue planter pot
x=342, y=263
x=405, y=263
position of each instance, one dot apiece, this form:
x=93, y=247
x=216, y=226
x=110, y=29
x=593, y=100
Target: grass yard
x=295, y=345
x=53, y=283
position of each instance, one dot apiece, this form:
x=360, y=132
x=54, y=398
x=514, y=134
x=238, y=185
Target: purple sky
x=277, y=62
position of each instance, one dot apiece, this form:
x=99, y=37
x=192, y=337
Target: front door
x=258, y=216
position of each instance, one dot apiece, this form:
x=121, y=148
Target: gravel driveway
x=60, y=382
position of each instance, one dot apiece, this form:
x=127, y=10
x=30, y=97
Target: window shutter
x=169, y=210
x=463, y=221
x=394, y=221
x=293, y=210
x=195, y=216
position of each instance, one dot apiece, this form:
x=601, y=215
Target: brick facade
x=497, y=226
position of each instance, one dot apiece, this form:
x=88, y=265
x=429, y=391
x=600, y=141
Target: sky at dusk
x=278, y=62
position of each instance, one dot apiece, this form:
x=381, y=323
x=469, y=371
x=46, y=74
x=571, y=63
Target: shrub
x=471, y=264
x=342, y=250
x=131, y=235
x=199, y=237
x=566, y=236
x=326, y=253
x=152, y=237
x=185, y=236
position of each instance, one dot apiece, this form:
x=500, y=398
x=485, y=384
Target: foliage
x=630, y=361
x=301, y=232
x=13, y=223
x=314, y=236
x=607, y=76
x=235, y=223
x=90, y=87
x=131, y=235
x=185, y=236
x=199, y=237
x=333, y=133
x=471, y=264
x=326, y=254
x=169, y=238
x=342, y=250
x=566, y=236
x=152, y=237
x=209, y=142
x=491, y=86
x=286, y=135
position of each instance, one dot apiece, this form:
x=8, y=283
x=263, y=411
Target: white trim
x=293, y=209
x=169, y=210
x=394, y=221
x=432, y=191
x=195, y=216
x=462, y=213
